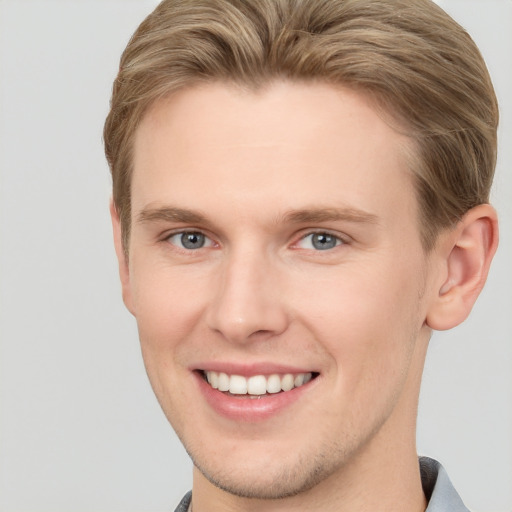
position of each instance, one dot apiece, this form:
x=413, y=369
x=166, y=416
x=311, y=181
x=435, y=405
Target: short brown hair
x=420, y=66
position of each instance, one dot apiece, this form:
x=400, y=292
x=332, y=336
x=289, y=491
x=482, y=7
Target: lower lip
x=246, y=409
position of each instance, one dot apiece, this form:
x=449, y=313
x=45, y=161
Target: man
x=300, y=197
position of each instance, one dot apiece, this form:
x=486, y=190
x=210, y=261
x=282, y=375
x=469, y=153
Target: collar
x=440, y=493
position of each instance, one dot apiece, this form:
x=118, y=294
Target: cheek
x=167, y=302
x=366, y=320
x=167, y=315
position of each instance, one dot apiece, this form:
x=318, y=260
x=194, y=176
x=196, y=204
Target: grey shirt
x=438, y=489
x=440, y=493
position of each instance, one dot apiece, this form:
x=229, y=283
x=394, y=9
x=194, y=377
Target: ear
x=466, y=252
x=122, y=258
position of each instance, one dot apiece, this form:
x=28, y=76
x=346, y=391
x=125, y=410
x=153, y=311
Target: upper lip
x=246, y=370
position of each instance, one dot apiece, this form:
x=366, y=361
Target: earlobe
x=124, y=271
x=468, y=251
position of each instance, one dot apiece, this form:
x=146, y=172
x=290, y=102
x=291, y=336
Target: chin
x=272, y=479
x=264, y=487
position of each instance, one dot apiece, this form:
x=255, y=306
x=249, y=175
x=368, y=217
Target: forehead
x=291, y=145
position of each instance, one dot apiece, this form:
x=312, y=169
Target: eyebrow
x=301, y=216
x=171, y=214
x=314, y=215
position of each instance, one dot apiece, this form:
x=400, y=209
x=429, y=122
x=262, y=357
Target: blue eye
x=190, y=240
x=319, y=241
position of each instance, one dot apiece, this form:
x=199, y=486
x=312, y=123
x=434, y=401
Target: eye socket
x=319, y=241
x=190, y=240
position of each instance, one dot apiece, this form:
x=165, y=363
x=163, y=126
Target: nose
x=248, y=303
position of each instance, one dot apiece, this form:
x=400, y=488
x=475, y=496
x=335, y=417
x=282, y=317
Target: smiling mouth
x=256, y=385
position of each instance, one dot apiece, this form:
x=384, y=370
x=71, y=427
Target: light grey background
x=79, y=427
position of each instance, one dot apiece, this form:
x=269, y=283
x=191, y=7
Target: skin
x=359, y=314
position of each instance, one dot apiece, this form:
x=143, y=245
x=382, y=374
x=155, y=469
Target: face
x=275, y=252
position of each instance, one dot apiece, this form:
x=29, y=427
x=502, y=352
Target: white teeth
x=238, y=385
x=223, y=382
x=256, y=384
x=274, y=384
x=287, y=382
x=213, y=379
x=299, y=380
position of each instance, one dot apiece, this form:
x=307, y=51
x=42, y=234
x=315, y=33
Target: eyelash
x=168, y=238
x=211, y=243
x=337, y=240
